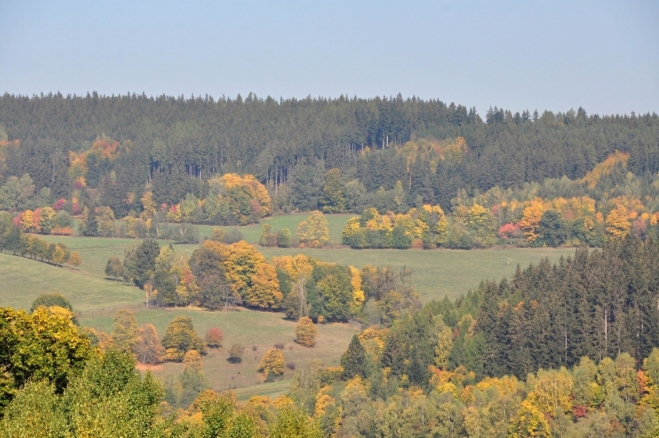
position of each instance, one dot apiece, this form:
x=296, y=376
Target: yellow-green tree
x=180, y=338
x=305, y=332
x=264, y=292
x=313, y=232
x=125, y=331
x=44, y=345
x=617, y=222
x=528, y=422
x=272, y=363
x=74, y=259
x=241, y=263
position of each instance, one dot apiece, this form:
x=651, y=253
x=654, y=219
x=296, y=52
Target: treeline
x=15, y=242
x=219, y=275
x=109, y=151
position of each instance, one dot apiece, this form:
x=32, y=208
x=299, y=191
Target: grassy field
x=256, y=331
x=251, y=233
x=438, y=273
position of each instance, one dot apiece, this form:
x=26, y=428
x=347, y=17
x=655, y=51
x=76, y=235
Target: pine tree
x=353, y=360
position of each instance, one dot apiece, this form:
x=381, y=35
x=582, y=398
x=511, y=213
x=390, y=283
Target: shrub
x=290, y=365
x=236, y=353
x=279, y=345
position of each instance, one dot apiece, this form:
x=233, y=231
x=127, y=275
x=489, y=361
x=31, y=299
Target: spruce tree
x=353, y=360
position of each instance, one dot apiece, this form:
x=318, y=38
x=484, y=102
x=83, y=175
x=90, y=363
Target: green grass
x=251, y=233
x=22, y=280
x=437, y=273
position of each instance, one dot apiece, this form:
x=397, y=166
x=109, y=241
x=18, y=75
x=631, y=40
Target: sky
x=602, y=55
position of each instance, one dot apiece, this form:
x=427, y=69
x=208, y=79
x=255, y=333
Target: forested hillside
x=108, y=151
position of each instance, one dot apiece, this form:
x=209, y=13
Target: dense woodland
x=173, y=146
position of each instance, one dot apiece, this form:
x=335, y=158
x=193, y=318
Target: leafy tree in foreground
x=147, y=346
x=43, y=345
x=214, y=337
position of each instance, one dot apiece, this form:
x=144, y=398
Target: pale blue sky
x=599, y=54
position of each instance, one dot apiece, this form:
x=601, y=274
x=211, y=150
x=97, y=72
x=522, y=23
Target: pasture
x=437, y=273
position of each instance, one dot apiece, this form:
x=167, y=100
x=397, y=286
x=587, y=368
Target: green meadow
x=437, y=273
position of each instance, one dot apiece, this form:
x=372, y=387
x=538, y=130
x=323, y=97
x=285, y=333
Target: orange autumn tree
x=241, y=263
x=531, y=220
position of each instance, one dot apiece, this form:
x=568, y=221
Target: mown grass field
x=437, y=273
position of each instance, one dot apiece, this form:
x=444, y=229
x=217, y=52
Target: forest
x=110, y=150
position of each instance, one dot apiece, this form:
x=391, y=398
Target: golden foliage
x=264, y=292
x=305, y=332
x=272, y=363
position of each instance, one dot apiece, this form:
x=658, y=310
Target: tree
x=74, y=260
x=114, y=268
x=50, y=300
x=284, y=238
x=313, y=232
x=44, y=345
x=272, y=363
x=147, y=346
x=267, y=238
x=529, y=421
x=552, y=229
x=305, y=332
x=192, y=359
x=241, y=263
x=236, y=353
x=264, y=293
x=617, y=222
x=353, y=360
x=104, y=221
x=332, y=198
x=141, y=263
x=180, y=338
x=214, y=337
x=124, y=331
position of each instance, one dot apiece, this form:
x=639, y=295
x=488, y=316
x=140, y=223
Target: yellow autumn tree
x=357, y=291
x=529, y=421
x=264, y=293
x=272, y=363
x=552, y=391
x=314, y=231
x=241, y=262
x=531, y=220
x=617, y=222
x=305, y=332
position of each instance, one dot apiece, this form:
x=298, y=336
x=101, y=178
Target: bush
x=279, y=345
x=290, y=365
x=236, y=353
x=50, y=300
